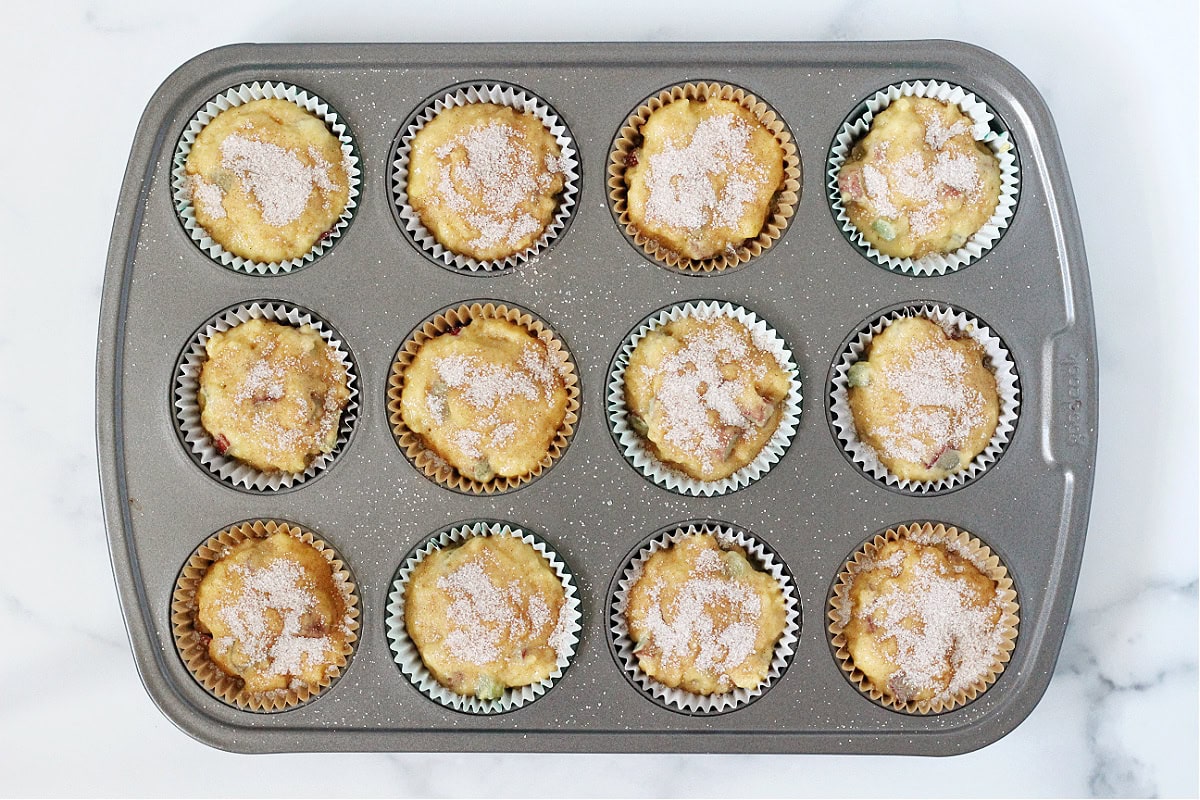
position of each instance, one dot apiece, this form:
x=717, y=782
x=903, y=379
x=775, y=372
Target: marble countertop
x=1120, y=715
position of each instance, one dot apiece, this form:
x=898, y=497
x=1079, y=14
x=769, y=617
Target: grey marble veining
x=1119, y=718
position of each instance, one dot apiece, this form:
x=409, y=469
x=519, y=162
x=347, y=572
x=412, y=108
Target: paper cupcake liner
x=634, y=447
x=1008, y=388
x=414, y=447
x=194, y=650
x=986, y=129
x=501, y=94
x=762, y=558
x=959, y=542
x=629, y=137
x=197, y=440
x=231, y=98
x=404, y=650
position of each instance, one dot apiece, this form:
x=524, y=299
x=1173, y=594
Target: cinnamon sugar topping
x=946, y=638
x=680, y=179
x=275, y=594
x=725, y=638
x=941, y=405
x=500, y=171
x=485, y=615
x=485, y=384
x=276, y=177
x=699, y=404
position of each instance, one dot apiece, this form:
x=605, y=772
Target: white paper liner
x=1007, y=388
x=634, y=446
x=999, y=143
x=187, y=406
x=502, y=95
x=678, y=699
x=405, y=652
x=231, y=98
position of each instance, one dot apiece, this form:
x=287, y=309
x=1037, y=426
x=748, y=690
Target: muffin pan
x=373, y=286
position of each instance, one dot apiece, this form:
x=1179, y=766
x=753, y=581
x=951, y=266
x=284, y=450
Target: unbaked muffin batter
x=704, y=395
x=487, y=398
x=924, y=620
x=272, y=395
x=704, y=178
x=276, y=612
x=485, y=179
x=918, y=182
x=703, y=619
x=267, y=180
x=487, y=615
x=924, y=401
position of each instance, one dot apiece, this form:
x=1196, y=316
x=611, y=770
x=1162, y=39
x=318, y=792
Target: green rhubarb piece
x=948, y=460
x=885, y=229
x=859, y=374
x=737, y=437
x=735, y=563
x=638, y=424
x=488, y=688
x=483, y=470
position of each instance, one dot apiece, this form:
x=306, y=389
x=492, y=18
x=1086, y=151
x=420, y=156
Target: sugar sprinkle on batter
x=721, y=642
x=502, y=173
x=679, y=179
x=484, y=614
x=276, y=177
x=276, y=591
x=208, y=197
x=942, y=408
x=952, y=631
x=691, y=385
x=924, y=181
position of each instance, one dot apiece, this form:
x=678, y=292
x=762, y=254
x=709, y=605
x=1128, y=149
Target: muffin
x=925, y=400
x=924, y=618
x=486, y=398
x=265, y=615
x=919, y=183
x=702, y=618
x=706, y=394
x=267, y=180
x=488, y=615
x=272, y=395
x=485, y=179
x=703, y=180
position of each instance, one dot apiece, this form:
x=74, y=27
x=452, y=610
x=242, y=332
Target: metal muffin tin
x=592, y=286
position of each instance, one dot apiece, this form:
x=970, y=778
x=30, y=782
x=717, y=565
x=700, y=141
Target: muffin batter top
x=487, y=615
x=703, y=180
x=705, y=394
x=487, y=398
x=267, y=180
x=485, y=179
x=924, y=620
x=272, y=395
x=924, y=401
x=919, y=183
x=277, y=614
x=703, y=619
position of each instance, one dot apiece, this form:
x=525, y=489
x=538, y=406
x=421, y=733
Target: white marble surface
x=1120, y=716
